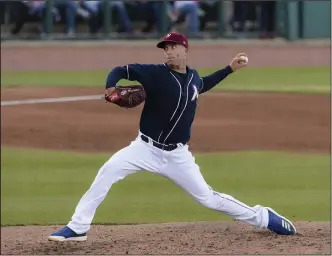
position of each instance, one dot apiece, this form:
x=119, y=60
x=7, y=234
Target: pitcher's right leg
x=183, y=170
x=129, y=160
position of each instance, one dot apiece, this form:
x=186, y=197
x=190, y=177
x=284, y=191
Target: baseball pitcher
x=170, y=91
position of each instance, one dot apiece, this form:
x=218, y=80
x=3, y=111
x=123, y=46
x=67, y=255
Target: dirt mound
x=181, y=238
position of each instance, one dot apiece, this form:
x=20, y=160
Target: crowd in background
x=244, y=14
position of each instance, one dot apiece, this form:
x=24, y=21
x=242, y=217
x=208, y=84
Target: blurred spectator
x=38, y=8
x=240, y=13
x=203, y=15
x=188, y=10
x=95, y=8
x=176, y=13
x=267, y=19
x=245, y=16
x=152, y=11
x=31, y=8
x=71, y=10
x=253, y=16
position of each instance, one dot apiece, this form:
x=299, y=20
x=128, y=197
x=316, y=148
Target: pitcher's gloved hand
x=126, y=96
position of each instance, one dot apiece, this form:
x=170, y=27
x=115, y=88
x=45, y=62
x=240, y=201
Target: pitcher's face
x=175, y=53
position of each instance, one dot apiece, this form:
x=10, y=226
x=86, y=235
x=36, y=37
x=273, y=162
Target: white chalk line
x=50, y=100
x=84, y=98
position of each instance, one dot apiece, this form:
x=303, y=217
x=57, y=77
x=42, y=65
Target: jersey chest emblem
x=195, y=94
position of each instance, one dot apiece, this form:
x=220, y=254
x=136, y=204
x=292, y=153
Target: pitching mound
x=177, y=238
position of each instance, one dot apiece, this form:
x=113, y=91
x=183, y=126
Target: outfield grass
x=43, y=187
x=299, y=80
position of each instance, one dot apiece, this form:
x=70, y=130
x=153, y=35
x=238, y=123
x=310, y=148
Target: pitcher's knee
x=210, y=202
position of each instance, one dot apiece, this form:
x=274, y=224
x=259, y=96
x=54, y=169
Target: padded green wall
x=316, y=21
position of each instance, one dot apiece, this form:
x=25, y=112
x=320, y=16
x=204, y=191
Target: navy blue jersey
x=171, y=101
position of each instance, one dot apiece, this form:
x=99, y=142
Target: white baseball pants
x=177, y=165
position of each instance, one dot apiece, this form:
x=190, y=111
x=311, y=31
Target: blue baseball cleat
x=280, y=224
x=66, y=234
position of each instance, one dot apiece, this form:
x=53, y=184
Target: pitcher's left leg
x=183, y=170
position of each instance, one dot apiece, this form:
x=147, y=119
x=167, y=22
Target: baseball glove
x=127, y=96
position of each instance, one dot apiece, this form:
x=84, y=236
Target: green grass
x=43, y=187
x=299, y=80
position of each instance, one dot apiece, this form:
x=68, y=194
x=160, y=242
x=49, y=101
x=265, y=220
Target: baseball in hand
x=244, y=59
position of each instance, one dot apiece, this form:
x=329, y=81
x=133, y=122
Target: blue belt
x=168, y=147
